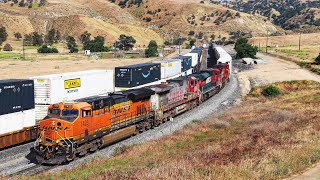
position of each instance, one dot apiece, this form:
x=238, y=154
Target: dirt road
x=275, y=70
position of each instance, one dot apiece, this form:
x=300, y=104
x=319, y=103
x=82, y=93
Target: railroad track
x=31, y=169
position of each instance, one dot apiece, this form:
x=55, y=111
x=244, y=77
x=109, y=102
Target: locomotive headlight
x=53, y=122
x=57, y=141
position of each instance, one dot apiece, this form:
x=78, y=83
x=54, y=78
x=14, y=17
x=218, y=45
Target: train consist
x=73, y=129
x=84, y=111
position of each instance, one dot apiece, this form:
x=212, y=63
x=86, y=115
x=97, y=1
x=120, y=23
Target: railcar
x=76, y=128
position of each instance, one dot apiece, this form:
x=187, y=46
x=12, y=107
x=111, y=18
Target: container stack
x=186, y=64
x=137, y=75
x=170, y=68
x=51, y=89
x=17, y=105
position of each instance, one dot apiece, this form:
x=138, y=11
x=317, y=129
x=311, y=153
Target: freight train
x=20, y=123
x=73, y=129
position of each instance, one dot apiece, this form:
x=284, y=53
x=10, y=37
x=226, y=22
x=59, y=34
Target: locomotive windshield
x=66, y=114
x=73, y=112
x=54, y=112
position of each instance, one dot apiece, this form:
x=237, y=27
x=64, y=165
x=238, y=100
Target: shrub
x=46, y=49
x=270, y=91
x=244, y=49
x=318, y=59
x=7, y=47
x=152, y=50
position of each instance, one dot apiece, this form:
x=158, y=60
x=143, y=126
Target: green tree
x=96, y=45
x=51, y=36
x=246, y=50
x=46, y=49
x=152, y=50
x=85, y=37
x=241, y=40
x=3, y=35
x=125, y=42
x=318, y=59
x=72, y=45
x=18, y=36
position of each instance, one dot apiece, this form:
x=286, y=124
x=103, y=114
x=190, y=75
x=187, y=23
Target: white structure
x=55, y=88
x=17, y=121
x=169, y=68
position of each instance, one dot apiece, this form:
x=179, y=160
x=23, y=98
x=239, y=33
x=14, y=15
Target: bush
x=7, y=47
x=318, y=59
x=152, y=50
x=244, y=49
x=270, y=91
x=46, y=49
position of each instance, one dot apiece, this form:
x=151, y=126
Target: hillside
x=144, y=20
x=290, y=15
x=179, y=17
x=73, y=18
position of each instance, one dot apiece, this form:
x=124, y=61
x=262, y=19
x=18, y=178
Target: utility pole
x=300, y=42
x=267, y=42
x=179, y=46
x=24, y=57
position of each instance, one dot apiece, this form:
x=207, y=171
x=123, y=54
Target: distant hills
x=160, y=20
x=289, y=14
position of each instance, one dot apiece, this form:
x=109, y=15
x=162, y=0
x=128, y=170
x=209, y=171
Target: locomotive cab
x=57, y=131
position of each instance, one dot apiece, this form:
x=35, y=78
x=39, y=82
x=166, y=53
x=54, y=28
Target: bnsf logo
x=121, y=110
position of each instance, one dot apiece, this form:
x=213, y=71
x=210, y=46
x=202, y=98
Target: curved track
x=20, y=161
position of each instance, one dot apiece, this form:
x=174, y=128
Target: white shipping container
x=56, y=88
x=186, y=73
x=170, y=68
x=41, y=112
x=149, y=84
x=11, y=122
x=29, y=117
x=194, y=58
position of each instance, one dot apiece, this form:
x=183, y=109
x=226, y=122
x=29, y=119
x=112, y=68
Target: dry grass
x=260, y=139
x=288, y=48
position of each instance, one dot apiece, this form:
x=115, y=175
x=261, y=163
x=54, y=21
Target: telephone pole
x=300, y=42
x=24, y=57
x=267, y=42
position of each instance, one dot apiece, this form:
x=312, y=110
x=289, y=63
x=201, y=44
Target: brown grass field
x=265, y=138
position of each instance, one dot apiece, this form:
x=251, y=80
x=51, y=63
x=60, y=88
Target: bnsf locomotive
x=75, y=128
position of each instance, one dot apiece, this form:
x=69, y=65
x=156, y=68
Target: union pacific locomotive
x=76, y=128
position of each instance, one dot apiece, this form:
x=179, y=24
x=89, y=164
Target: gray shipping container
x=136, y=75
x=16, y=95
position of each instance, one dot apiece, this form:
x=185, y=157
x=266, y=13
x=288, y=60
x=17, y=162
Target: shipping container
x=141, y=86
x=56, y=88
x=186, y=73
x=194, y=56
x=199, y=52
x=16, y=95
x=16, y=121
x=41, y=111
x=170, y=68
x=137, y=75
x=186, y=62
